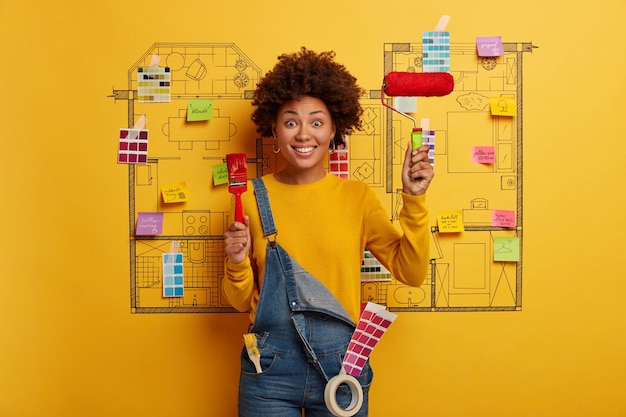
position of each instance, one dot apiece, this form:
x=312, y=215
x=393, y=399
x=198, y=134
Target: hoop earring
x=274, y=147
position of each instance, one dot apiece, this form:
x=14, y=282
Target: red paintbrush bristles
x=237, y=180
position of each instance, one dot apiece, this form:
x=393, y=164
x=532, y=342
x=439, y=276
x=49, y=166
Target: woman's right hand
x=237, y=240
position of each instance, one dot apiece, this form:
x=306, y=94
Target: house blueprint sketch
x=463, y=274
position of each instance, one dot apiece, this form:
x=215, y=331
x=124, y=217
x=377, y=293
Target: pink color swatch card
x=374, y=322
x=133, y=146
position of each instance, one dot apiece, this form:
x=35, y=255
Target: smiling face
x=303, y=129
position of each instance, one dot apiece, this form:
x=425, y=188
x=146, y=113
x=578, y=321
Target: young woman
x=295, y=261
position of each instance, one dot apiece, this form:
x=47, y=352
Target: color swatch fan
x=373, y=324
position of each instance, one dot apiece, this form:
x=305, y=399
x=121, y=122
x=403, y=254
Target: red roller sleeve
x=418, y=84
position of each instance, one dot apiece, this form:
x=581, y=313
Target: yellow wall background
x=69, y=344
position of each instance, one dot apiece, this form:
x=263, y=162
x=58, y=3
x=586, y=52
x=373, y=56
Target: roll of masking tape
x=330, y=395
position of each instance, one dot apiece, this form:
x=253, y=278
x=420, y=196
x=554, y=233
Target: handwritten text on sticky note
x=175, y=193
x=489, y=46
x=450, y=221
x=483, y=155
x=149, y=224
x=220, y=174
x=503, y=218
x=198, y=110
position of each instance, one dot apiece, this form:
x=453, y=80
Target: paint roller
x=416, y=84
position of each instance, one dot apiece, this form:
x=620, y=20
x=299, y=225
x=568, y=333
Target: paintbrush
x=237, y=180
x=253, y=351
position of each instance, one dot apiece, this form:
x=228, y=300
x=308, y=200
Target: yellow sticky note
x=220, y=174
x=450, y=221
x=175, y=193
x=198, y=110
x=503, y=106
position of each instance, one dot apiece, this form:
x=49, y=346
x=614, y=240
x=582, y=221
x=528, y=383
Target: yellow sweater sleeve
x=238, y=284
x=405, y=255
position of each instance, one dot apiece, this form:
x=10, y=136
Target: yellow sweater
x=325, y=227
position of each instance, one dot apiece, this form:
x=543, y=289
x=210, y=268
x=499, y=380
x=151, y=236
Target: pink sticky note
x=489, y=46
x=149, y=224
x=503, y=218
x=483, y=155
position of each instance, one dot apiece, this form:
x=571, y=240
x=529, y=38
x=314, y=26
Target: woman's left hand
x=417, y=172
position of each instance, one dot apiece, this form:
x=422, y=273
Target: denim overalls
x=303, y=333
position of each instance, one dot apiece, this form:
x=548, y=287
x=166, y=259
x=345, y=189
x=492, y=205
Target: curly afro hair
x=306, y=73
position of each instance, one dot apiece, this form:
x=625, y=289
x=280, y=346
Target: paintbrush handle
x=238, y=208
x=257, y=364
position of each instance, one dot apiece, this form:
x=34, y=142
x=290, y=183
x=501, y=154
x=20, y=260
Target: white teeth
x=304, y=150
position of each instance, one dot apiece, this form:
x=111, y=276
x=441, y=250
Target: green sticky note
x=198, y=110
x=220, y=174
x=506, y=249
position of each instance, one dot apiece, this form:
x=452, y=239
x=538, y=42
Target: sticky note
x=483, y=155
x=503, y=106
x=220, y=174
x=198, y=110
x=489, y=46
x=149, y=224
x=450, y=221
x=503, y=218
x=506, y=249
x=175, y=193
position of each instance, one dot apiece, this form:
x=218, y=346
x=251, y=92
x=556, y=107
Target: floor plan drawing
x=463, y=276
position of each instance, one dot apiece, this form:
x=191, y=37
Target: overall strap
x=265, y=210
